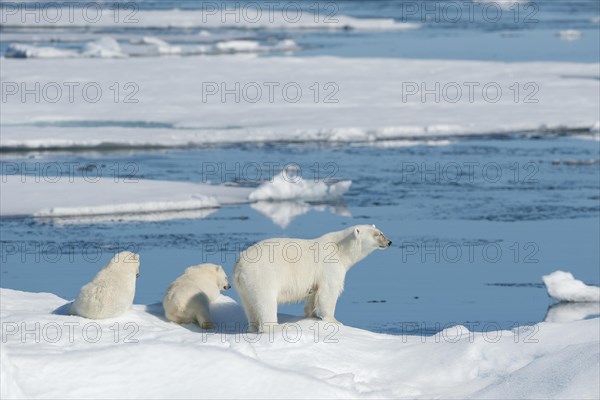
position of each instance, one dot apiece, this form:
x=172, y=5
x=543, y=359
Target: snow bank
x=564, y=287
x=290, y=186
x=245, y=19
x=88, y=197
x=302, y=359
x=367, y=101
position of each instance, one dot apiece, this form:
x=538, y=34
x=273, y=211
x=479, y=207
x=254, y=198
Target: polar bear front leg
x=326, y=302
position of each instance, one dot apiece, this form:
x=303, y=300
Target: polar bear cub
x=111, y=292
x=188, y=298
x=285, y=270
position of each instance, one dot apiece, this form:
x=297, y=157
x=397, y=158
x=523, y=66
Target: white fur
x=111, y=292
x=188, y=298
x=284, y=270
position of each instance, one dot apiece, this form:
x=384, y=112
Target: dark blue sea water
x=474, y=226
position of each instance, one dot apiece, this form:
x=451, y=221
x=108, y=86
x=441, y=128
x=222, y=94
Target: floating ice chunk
x=569, y=34
x=564, y=287
x=287, y=44
x=105, y=47
x=287, y=186
x=161, y=46
x=238, y=46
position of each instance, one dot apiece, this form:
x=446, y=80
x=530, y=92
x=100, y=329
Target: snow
x=547, y=360
x=368, y=100
x=564, y=287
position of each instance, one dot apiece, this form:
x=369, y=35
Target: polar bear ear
x=373, y=226
x=356, y=231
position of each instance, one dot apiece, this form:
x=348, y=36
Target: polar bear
x=284, y=270
x=110, y=294
x=188, y=298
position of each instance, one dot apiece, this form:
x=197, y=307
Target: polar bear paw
x=207, y=325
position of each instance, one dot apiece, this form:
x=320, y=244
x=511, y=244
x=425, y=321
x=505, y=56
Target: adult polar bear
x=284, y=270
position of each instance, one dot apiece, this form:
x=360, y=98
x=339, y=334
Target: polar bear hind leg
x=249, y=309
x=310, y=305
x=199, y=307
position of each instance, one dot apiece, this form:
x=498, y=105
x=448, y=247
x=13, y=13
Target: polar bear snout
x=382, y=240
x=228, y=286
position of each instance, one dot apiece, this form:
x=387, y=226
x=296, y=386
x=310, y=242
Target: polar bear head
x=126, y=261
x=208, y=272
x=371, y=238
x=221, y=277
